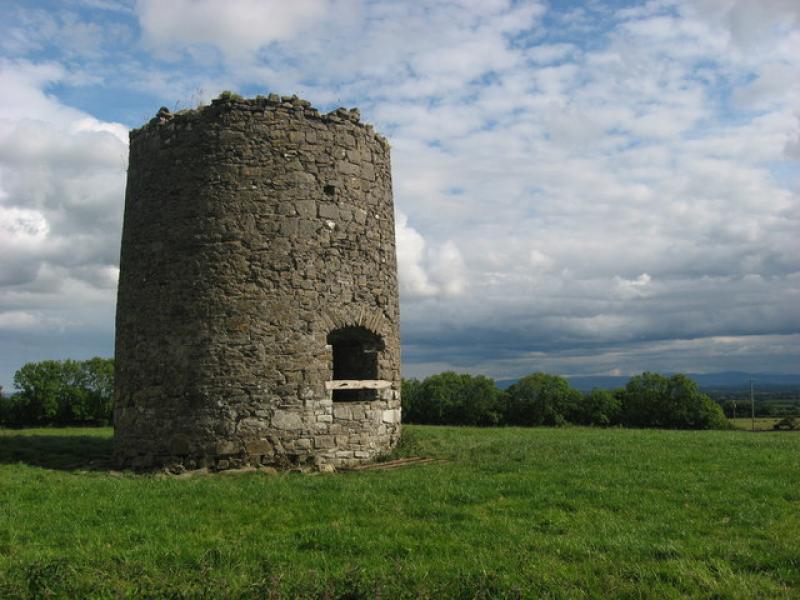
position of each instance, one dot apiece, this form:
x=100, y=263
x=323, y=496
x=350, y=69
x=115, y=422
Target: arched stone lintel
x=372, y=320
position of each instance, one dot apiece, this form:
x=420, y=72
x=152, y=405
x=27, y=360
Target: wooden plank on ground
x=396, y=464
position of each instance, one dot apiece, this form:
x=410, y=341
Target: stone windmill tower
x=257, y=313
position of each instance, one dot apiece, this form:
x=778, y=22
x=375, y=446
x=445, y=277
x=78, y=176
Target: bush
x=789, y=423
x=229, y=96
x=541, y=399
x=653, y=400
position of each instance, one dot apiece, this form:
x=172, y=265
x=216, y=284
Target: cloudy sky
x=595, y=187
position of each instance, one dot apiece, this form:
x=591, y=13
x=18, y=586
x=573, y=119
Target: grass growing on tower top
x=559, y=513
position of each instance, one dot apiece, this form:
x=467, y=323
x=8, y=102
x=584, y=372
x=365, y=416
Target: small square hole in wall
x=329, y=190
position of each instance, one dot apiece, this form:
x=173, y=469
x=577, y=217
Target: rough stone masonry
x=257, y=313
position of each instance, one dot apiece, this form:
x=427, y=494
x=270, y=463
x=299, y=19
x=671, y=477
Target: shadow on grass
x=66, y=453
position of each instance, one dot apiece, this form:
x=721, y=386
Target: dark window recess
x=355, y=357
x=329, y=190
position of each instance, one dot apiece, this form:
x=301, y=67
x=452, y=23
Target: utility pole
x=752, y=405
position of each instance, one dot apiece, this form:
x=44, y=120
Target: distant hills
x=726, y=379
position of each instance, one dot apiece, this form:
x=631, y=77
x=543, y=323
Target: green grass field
x=762, y=423
x=539, y=513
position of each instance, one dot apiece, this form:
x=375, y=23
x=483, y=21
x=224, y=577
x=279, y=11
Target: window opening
x=355, y=358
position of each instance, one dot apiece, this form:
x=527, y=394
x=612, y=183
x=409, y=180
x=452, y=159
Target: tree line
x=648, y=400
x=72, y=392
x=61, y=392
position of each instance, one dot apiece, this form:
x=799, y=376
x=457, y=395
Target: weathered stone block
x=342, y=412
x=391, y=416
x=306, y=208
x=226, y=447
x=286, y=420
x=327, y=210
x=324, y=441
x=258, y=447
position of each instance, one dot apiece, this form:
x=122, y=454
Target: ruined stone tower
x=257, y=312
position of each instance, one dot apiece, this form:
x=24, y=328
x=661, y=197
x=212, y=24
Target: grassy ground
x=762, y=423
x=541, y=513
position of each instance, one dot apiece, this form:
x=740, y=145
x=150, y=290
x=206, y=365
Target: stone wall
x=254, y=229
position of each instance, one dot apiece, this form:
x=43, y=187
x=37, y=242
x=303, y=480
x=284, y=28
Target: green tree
x=409, y=393
x=453, y=399
x=98, y=380
x=65, y=392
x=8, y=416
x=641, y=400
x=479, y=402
x=597, y=407
x=39, y=388
x=541, y=399
x=653, y=400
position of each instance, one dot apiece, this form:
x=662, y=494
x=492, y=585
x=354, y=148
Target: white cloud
x=426, y=270
x=449, y=269
x=22, y=227
x=540, y=261
x=550, y=53
x=414, y=280
x=237, y=28
x=631, y=288
x=19, y=320
x=749, y=22
x=62, y=177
